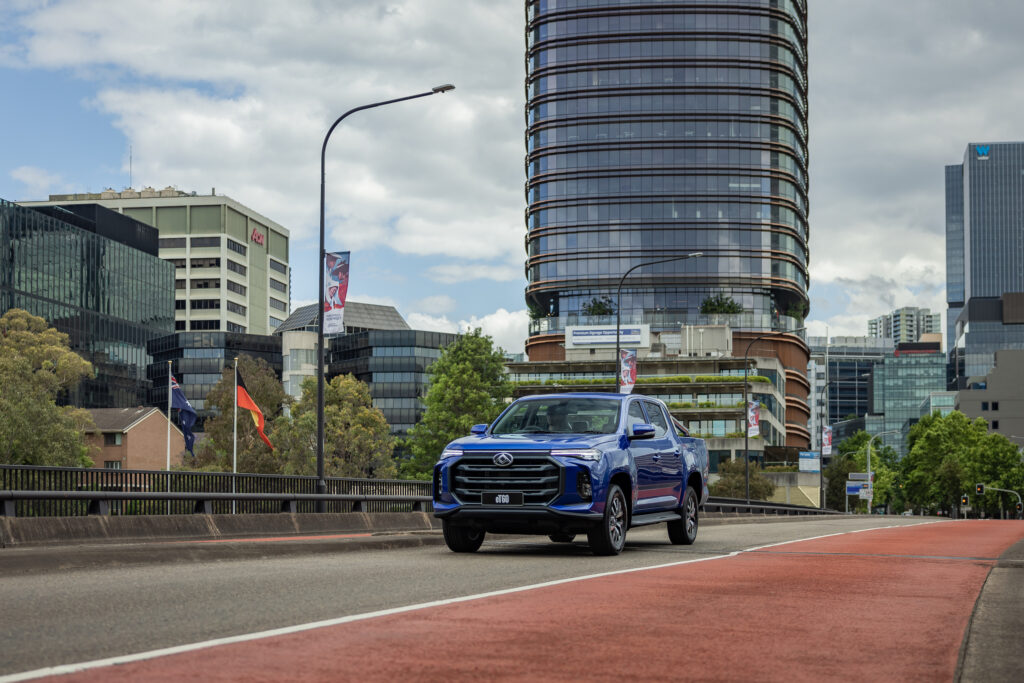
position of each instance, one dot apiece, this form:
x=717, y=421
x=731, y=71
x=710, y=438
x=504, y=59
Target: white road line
x=191, y=647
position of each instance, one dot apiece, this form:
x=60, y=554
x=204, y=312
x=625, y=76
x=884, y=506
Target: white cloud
x=38, y=182
x=508, y=329
x=459, y=272
x=440, y=303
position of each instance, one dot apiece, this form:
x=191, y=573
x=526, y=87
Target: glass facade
x=658, y=129
x=898, y=386
x=984, y=255
x=394, y=364
x=198, y=359
x=93, y=277
x=847, y=374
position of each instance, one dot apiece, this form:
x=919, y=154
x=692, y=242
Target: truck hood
x=532, y=442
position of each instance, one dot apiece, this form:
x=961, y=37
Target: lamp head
x=443, y=88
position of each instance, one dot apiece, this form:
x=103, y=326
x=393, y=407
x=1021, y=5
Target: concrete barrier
x=54, y=531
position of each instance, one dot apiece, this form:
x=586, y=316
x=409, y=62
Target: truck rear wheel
x=684, y=531
x=462, y=539
x=609, y=537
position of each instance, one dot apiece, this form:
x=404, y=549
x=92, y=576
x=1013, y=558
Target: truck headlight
x=450, y=453
x=579, y=453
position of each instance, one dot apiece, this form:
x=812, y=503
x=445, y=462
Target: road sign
x=854, y=488
x=861, y=476
x=866, y=494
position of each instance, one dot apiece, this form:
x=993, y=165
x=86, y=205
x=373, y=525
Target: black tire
x=462, y=539
x=609, y=537
x=684, y=530
x=562, y=538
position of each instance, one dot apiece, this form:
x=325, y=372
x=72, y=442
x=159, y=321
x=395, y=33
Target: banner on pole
x=627, y=370
x=753, y=418
x=335, y=291
x=826, y=440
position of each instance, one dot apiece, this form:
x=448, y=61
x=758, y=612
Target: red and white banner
x=627, y=370
x=335, y=291
x=826, y=440
x=753, y=418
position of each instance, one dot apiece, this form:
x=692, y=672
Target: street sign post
x=853, y=488
x=861, y=476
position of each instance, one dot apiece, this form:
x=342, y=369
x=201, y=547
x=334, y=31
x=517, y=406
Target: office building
x=905, y=324
x=997, y=397
x=658, y=130
x=984, y=257
x=96, y=276
x=899, y=384
x=840, y=375
x=299, y=336
x=232, y=272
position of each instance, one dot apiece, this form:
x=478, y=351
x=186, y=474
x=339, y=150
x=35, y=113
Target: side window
x=635, y=416
x=657, y=419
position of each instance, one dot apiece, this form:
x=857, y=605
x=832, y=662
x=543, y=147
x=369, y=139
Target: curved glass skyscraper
x=657, y=129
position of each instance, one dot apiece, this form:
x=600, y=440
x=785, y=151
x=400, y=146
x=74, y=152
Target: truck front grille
x=537, y=476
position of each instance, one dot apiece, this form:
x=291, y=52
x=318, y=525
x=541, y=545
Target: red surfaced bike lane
x=887, y=604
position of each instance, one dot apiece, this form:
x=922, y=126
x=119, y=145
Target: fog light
x=583, y=485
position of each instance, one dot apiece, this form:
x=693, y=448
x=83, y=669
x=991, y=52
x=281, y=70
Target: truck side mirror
x=478, y=429
x=640, y=431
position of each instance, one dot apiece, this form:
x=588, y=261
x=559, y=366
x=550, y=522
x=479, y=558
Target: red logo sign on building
x=257, y=237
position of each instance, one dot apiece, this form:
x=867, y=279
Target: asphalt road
x=54, y=615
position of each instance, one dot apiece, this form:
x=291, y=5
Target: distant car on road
x=568, y=464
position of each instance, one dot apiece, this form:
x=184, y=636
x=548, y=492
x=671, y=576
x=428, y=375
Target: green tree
x=852, y=457
x=215, y=451
x=720, y=303
x=467, y=386
x=357, y=439
x=732, y=482
x=36, y=364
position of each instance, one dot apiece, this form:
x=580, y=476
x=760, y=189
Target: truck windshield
x=560, y=416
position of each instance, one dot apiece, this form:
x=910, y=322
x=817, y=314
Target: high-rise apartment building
x=984, y=257
x=905, y=324
x=657, y=130
x=231, y=263
x=94, y=275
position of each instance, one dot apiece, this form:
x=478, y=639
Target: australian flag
x=186, y=414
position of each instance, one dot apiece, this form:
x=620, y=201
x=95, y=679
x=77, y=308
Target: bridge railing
x=158, y=492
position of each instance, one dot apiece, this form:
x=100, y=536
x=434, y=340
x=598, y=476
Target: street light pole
x=746, y=426
x=821, y=442
x=871, y=482
x=321, y=481
x=618, y=307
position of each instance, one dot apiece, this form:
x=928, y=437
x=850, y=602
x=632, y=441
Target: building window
x=279, y=305
x=232, y=327
x=236, y=267
x=995, y=424
x=204, y=304
x=995, y=405
x=178, y=262
x=179, y=284
x=206, y=263
x=236, y=308
x=205, y=242
x=205, y=325
x=205, y=284
x=279, y=267
x=179, y=325
x=279, y=286
x=112, y=464
x=275, y=322
x=179, y=304
x=984, y=405
x=236, y=288
x=112, y=439
x=236, y=247
x=172, y=242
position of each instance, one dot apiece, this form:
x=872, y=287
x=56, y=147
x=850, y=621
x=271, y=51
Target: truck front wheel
x=462, y=539
x=684, y=531
x=609, y=537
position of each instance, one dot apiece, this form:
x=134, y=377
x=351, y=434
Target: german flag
x=244, y=400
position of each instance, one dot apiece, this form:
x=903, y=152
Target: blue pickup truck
x=568, y=464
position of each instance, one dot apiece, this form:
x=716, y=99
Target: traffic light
x=980, y=488
x=1019, y=508
x=963, y=499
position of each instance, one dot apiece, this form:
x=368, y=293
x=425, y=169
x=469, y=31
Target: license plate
x=501, y=498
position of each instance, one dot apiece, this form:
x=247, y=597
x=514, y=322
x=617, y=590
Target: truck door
x=648, y=471
x=667, y=456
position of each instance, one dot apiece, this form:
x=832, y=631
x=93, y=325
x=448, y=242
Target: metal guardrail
x=742, y=507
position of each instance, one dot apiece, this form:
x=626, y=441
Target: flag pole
x=168, y=434
x=234, y=441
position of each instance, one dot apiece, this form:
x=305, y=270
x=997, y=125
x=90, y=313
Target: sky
x=428, y=194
